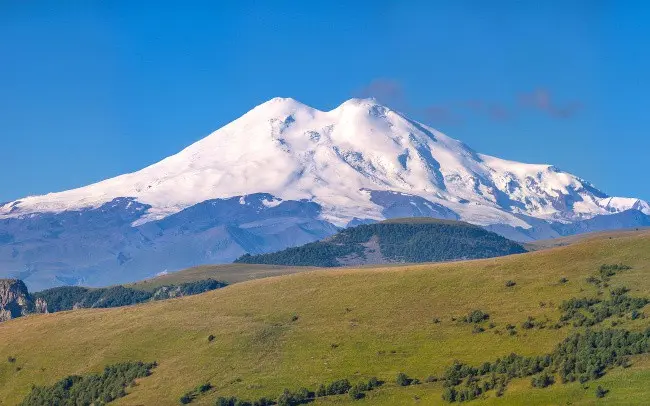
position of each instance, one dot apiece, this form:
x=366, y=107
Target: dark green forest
x=90, y=389
x=73, y=297
x=398, y=242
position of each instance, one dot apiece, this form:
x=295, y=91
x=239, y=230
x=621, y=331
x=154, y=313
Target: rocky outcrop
x=15, y=300
x=167, y=292
x=40, y=306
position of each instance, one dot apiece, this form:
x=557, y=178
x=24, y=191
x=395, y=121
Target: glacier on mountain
x=359, y=162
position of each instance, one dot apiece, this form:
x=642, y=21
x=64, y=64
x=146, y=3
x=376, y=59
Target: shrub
x=563, y=280
x=11, y=359
x=221, y=401
x=203, y=388
x=477, y=329
x=431, y=379
x=402, y=379
x=262, y=402
x=593, y=280
x=338, y=387
x=528, y=324
x=303, y=395
x=374, y=383
x=476, y=316
x=449, y=394
x=542, y=380
x=194, y=393
x=286, y=399
x=211, y=338
x=601, y=392
x=510, y=284
x=356, y=392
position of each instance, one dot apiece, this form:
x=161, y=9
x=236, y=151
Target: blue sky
x=90, y=90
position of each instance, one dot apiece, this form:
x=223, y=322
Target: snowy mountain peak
x=345, y=160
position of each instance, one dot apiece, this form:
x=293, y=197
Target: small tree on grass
x=542, y=380
x=449, y=394
x=402, y=379
x=356, y=392
x=601, y=392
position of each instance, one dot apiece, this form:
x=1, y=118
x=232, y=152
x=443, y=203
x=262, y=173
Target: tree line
x=71, y=297
x=92, y=389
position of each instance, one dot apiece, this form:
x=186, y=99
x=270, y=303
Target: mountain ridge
x=293, y=151
x=286, y=174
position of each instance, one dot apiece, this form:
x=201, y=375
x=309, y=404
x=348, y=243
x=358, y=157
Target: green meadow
x=317, y=326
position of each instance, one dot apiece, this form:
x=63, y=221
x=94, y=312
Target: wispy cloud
x=541, y=99
x=392, y=93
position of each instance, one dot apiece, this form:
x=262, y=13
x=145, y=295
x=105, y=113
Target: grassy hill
x=572, y=239
x=229, y=273
x=316, y=327
x=394, y=241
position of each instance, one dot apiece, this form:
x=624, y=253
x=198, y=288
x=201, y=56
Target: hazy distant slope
x=395, y=241
x=314, y=327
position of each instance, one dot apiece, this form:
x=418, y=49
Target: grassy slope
x=572, y=239
x=231, y=273
x=380, y=318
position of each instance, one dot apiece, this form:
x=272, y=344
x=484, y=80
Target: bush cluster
x=591, y=311
x=90, y=389
x=304, y=395
x=542, y=380
x=193, y=394
x=582, y=356
x=476, y=316
x=232, y=401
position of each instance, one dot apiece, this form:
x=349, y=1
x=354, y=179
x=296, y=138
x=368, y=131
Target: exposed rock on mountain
x=15, y=300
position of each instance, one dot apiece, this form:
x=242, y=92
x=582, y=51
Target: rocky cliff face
x=15, y=300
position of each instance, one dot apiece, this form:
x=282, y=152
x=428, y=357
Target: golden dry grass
x=352, y=323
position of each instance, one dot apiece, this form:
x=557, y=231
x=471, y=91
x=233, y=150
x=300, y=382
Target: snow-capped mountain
x=357, y=163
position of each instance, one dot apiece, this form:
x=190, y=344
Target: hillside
x=562, y=241
x=317, y=327
x=394, y=241
x=229, y=273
